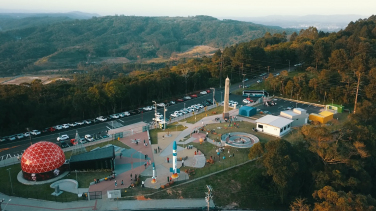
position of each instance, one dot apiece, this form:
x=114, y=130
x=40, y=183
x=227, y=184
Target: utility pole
x=357, y=91
x=208, y=195
x=243, y=80
x=220, y=74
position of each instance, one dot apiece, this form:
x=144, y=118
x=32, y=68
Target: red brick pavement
x=104, y=186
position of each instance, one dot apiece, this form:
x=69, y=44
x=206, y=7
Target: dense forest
x=327, y=169
x=67, y=43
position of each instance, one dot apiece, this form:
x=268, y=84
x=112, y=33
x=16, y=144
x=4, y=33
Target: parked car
x=179, y=100
x=52, y=129
x=259, y=81
x=45, y=130
x=35, y=132
x=203, y=92
x=71, y=125
x=161, y=104
x=193, y=96
x=148, y=108
x=246, y=101
x=277, y=74
x=80, y=123
x=114, y=116
x=63, y=137
x=83, y=141
x=89, y=138
x=101, y=118
x=73, y=141
x=126, y=113
x=187, y=98
x=58, y=127
x=208, y=91
x=174, y=115
x=27, y=134
x=3, y=139
x=121, y=115
x=65, y=126
x=63, y=144
x=87, y=121
x=210, y=101
x=19, y=136
x=172, y=102
x=11, y=138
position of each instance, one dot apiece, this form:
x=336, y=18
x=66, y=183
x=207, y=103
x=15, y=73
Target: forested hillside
x=65, y=44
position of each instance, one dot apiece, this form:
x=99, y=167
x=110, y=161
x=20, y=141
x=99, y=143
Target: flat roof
x=326, y=113
x=275, y=121
x=290, y=112
x=105, y=152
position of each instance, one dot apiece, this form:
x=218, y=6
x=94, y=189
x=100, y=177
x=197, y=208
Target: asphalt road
x=16, y=147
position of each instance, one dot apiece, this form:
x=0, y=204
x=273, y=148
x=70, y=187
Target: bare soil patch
x=28, y=79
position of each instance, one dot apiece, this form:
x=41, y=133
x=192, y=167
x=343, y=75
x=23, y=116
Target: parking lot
x=282, y=105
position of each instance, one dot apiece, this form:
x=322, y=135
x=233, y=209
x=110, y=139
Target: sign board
x=111, y=194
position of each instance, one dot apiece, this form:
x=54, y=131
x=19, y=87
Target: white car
x=187, y=98
x=65, y=126
x=246, y=101
x=35, y=132
x=174, y=115
x=89, y=138
x=87, y=122
x=114, y=116
x=80, y=123
x=12, y=138
x=161, y=104
x=58, y=127
x=126, y=113
x=259, y=81
x=121, y=115
x=200, y=106
x=172, y=102
x=148, y=108
x=234, y=102
x=83, y=141
x=19, y=136
x=71, y=125
x=101, y=118
x=203, y=92
x=158, y=115
x=27, y=134
x=62, y=137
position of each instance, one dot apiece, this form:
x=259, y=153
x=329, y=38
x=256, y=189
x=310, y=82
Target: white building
x=298, y=115
x=274, y=125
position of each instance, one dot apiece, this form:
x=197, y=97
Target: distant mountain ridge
x=9, y=21
x=322, y=22
x=133, y=37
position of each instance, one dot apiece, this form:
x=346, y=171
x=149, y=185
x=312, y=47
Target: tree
x=299, y=205
x=256, y=151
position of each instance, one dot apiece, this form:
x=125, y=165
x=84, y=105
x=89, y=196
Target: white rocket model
x=154, y=175
x=174, y=168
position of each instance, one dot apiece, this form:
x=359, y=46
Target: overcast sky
x=216, y=8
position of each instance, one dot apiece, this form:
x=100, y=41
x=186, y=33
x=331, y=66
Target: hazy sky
x=216, y=8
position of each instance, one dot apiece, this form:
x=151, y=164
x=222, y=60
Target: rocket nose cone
x=174, y=146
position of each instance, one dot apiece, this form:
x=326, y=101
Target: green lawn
x=245, y=127
x=29, y=191
x=84, y=178
x=170, y=127
x=195, y=118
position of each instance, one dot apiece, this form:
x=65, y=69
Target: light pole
x=10, y=179
x=213, y=94
x=155, y=107
x=164, y=116
x=112, y=124
x=289, y=64
x=221, y=97
x=31, y=143
x=243, y=80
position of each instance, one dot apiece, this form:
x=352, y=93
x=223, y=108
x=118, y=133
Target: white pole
x=164, y=116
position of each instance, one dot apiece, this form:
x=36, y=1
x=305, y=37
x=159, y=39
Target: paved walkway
x=17, y=204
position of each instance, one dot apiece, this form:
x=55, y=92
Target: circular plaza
x=239, y=140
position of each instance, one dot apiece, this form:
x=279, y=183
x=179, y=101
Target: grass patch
x=214, y=111
x=30, y=191
x=235, y=188
x=85, y=178
x=245, y=127
x=170, y=127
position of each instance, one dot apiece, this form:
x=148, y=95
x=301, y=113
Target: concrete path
x=17, y=204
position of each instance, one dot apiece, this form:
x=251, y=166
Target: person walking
x=182, y=163
x=115, y=184
x=168, y=160
x=145, y=165
x=122, y=183
x=131, y=177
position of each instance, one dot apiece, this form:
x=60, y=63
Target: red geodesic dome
x=42, y=157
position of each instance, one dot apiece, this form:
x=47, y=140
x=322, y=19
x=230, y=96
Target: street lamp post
x=155, y=107
x=289, y=65
x=31, y=143
x=221, y=97
x=213, y=94
x=164, y=117
x=243, y=80
x=10, y=179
